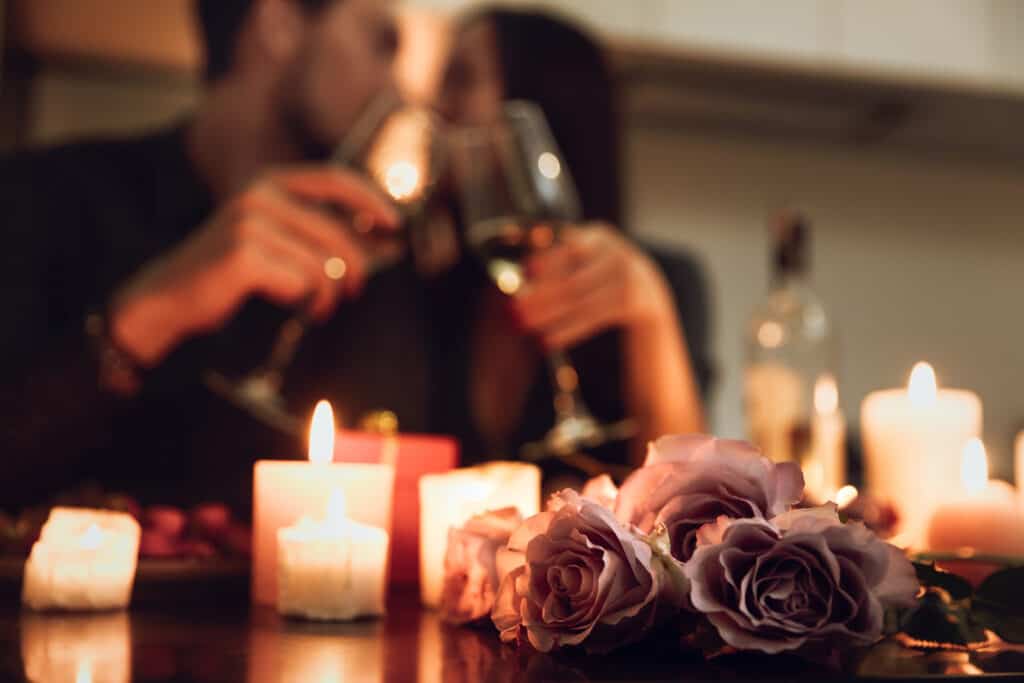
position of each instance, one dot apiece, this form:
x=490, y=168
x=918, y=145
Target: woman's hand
x=593, y=279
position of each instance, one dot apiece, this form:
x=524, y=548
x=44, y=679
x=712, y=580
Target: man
x=185, y=251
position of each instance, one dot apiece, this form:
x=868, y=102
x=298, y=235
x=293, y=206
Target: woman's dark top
x=78, y=220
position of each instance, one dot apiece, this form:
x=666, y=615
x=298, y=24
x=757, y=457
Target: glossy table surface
x=233, y=642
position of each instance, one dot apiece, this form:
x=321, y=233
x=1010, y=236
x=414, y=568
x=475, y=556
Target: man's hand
x=593, y=279
x=270, y=240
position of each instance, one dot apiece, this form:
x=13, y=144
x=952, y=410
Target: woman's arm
x=596, y=279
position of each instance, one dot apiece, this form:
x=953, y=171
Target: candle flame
x=336, y=507
x=974, y=467
x=402, y=180
x=92, y=538
x=923, y=389
x=846, y=495
x=321, y=434
x=826, y=395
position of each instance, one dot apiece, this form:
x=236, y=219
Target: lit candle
x=413, y=455
x=332, y=569
x=286, y=491
x=912, y=446
x=93, y=648
x=1018, y=462
x=83, y=560
x=825, y=466
x=449, y=500
x=983, y=519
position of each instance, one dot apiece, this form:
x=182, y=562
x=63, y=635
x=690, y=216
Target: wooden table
x=233, y=642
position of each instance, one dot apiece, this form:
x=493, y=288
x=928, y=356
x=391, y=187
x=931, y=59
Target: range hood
x=722, y=94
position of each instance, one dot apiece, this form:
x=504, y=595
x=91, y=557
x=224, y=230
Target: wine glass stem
x=568, y=401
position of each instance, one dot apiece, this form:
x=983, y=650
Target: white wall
x=916, y=259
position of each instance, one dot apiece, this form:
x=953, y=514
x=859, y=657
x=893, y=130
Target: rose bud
x=211, y=520
x=167, y=520
x=153, y=543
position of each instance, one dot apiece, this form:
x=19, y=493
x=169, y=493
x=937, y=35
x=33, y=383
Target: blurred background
x=895, y=125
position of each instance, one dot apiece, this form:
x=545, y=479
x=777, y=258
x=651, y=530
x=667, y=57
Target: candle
x=334, y=569
x=413, y=455
x=286, y=491
x=825, y=465
x=912, y=446
x=1018, y=462
x=77, y=647
x=984, y=518
x=449, y=500
x=84, y=560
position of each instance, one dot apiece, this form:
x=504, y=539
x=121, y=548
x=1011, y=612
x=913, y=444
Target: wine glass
x=516, y=193
x=397, y=147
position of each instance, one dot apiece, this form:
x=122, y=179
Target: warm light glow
x=826, y=395
x=321, y=434
x=336, y=507
x=923, y=389
x=974, y=467
x=549, y=165
x=402, y=180
x=92, y=538
x=770, y=334
x=508, y=276
x=846, y=495
x=83, y=672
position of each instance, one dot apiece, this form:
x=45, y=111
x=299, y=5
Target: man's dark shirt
x=79, y=220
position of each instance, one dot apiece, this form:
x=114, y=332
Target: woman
x=595, y=293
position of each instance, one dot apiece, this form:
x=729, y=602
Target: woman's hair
x=552, y=62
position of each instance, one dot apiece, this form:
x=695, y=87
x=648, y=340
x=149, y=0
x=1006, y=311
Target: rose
x=690, y=481
x=470, y=573
x=803, y=577
x=576, y=575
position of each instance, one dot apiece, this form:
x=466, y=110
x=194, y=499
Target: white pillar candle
x=332, y=569
x=913, y=440
x=84, y=560
x=983, y=517
x=450, y=499
x=1018, y=462
x=77, y=647
x=286, y=491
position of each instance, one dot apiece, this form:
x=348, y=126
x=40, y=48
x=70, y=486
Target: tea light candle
x=449, y=500
x=912, y=446
x=84, y=560
x=286, y=491
x=984, y=519
x=331, y=570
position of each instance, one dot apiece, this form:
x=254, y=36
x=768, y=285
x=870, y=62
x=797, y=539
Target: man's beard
x=311, y=144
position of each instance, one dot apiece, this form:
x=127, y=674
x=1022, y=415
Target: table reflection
x=285, y=651
x=76, y=648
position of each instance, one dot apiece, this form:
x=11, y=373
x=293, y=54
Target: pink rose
x=803, y=577
x=470, y=573
x=690, y=481
x=576, y=575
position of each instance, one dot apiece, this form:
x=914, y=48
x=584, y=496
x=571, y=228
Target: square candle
x=84, y=560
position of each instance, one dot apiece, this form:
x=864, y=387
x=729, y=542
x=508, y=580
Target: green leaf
x=930, y=576
x=999, y=604
x=936, y=620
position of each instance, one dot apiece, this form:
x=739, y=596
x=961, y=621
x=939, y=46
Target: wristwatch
x=118, y=370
